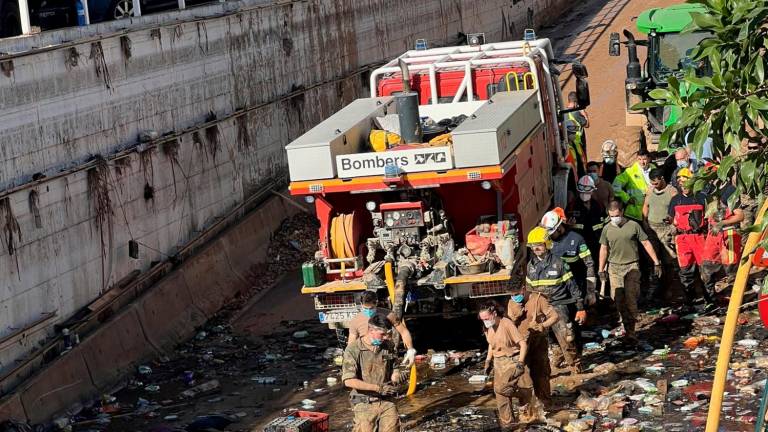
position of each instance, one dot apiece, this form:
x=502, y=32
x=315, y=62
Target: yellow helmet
x=684, y=172
x=539, y=235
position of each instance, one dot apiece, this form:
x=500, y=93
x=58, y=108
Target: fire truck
x=425, y=190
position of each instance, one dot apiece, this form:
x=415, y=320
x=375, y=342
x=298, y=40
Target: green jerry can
x=313, y=273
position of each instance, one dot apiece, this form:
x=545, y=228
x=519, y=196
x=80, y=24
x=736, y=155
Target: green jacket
x=631, y=184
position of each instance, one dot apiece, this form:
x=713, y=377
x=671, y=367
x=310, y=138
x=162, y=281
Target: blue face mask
x=369, y=312
x=376, y=342
x=682, y=164
x=594, y=176
x=518, y=298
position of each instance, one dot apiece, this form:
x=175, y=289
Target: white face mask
x=616, y=220
x=585, y=196
x=609, y=160
x=489, y=323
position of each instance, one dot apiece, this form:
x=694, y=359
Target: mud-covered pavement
x=225, y=380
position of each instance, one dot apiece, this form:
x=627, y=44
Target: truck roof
x=671, y=19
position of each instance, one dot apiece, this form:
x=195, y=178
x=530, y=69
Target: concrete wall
x=264, y=73
x=160, y=319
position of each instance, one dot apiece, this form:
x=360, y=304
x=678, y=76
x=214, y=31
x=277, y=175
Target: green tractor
x=668, y=53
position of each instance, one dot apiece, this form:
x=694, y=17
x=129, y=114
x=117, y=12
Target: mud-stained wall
x=259, y=75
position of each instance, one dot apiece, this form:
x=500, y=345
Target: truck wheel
x=11, y=23
x=121, y=9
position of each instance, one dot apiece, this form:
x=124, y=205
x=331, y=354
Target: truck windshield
x=674, y=51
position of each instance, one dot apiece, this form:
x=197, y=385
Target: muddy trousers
x=662, y=237
x=380, y=416
x=538, y=363
x=506, y=386
x=690, y=255
x=625, y=289
x=567, y=334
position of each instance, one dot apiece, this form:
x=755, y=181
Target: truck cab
x=425, y=190
x=669, y=53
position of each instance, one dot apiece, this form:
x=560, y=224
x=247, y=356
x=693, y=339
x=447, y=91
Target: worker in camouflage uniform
x=358, y=327
x=620, y=262
x=369, y=370
x=507, y=351
x=534, y=316
x=549, y=275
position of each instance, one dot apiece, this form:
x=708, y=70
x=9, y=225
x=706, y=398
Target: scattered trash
x=332, y=381
x=301, y=334
x=438, y=361
x=144, y=370
x=206, y=387
x=154, y=388
x=478, y=379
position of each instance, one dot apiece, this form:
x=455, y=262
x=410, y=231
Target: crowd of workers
x=625, y=228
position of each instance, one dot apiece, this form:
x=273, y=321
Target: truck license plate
x=338, y=315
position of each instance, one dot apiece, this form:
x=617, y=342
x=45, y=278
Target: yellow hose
x=729, y=330
x=412, y=381
x=389, y=277
x=341, y=241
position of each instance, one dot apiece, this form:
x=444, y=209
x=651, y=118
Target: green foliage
x=731, y=105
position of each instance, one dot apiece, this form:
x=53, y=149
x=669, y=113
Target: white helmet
x=609, y=148
x=586, y=185
x=551, y=221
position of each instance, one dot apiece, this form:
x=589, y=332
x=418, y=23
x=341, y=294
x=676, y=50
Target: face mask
x=609, y=160
x=595, y=177
x=489, y=323
x=518, y=298
x=616, y=220
x=682, y=164
x=585, y=196
x=369, y=313
x=376, y=342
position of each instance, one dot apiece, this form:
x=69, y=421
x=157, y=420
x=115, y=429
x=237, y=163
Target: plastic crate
x=320, y=421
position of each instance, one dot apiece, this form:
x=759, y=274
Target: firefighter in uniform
x=358, y=326
x=507, y=351
x=573, y=250
x=550, y=276
x=686, y=211
x=534, y=316
x=588, y=216
x=369, y=370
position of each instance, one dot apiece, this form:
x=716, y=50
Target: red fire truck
x=425, y=190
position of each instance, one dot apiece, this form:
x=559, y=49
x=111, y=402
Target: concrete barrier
x=114, y=350
x=210, y=278
x=62, y=384
x=167, y=314
x=11, y=407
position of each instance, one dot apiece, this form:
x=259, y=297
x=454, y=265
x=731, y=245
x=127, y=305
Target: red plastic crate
x=320, y=421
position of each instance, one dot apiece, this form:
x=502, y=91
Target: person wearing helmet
x=603, y=192
x=588, y=217
x=686, y=212
x=573, y=250
x=549, y=275
x=610, y=167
